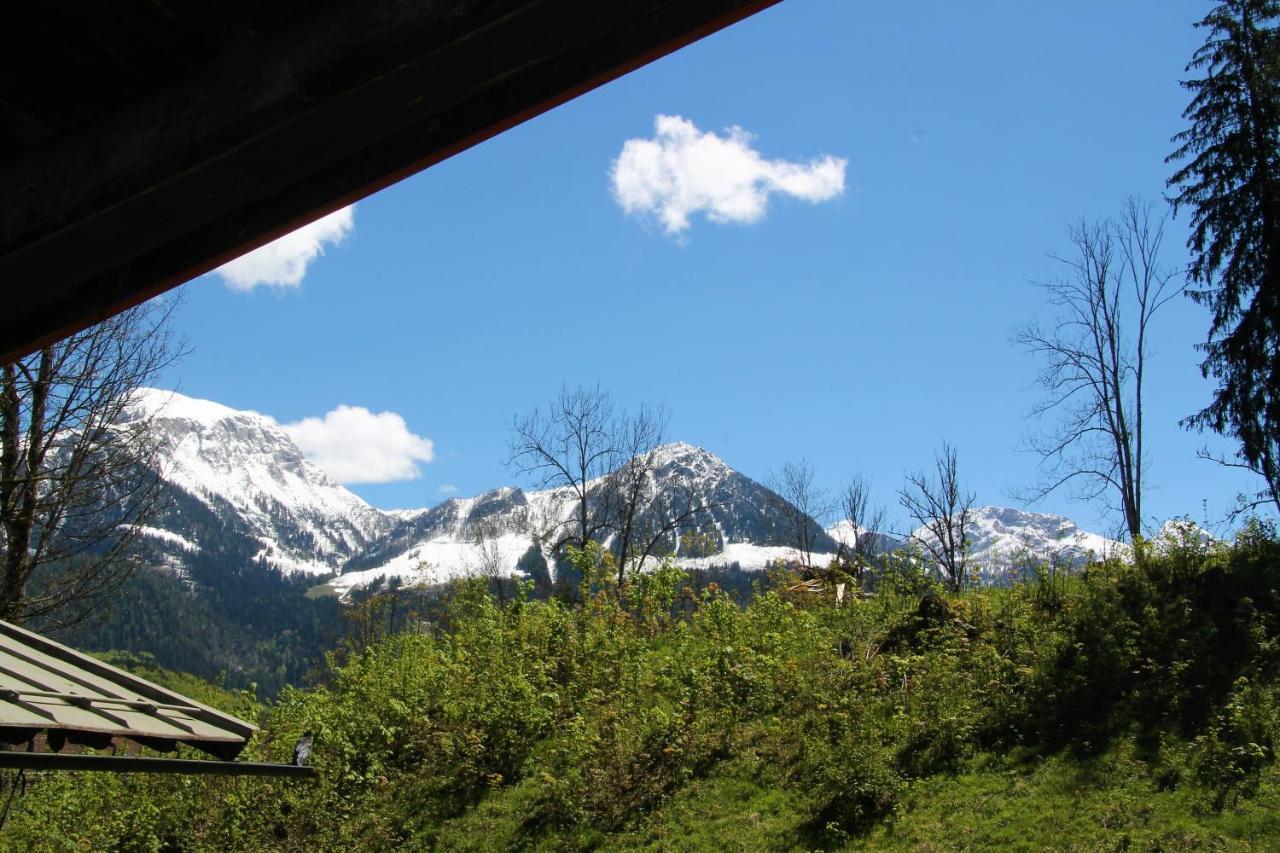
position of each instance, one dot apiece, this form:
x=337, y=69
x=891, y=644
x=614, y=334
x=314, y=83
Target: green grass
x=726, y=811
x=1064, y=802
x=1026, y=803
x=731, y=810
x=321, y=591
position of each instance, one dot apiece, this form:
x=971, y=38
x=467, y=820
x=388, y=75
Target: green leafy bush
x=593, y=719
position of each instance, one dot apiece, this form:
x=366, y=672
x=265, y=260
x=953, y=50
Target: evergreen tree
x=1230, y=180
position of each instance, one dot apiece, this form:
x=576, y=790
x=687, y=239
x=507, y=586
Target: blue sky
x=858, y=330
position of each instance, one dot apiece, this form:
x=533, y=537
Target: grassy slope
x=1059, y=802
x=1070, y=803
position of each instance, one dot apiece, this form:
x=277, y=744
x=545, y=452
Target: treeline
x=651, y=714
x=249, y=628
x=228, y=617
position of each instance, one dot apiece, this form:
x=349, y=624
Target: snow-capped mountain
x=1182, y=532
x=245, y=469
x=237, y=484
x=237, y=474
x=728, y=518
x=1005, y=541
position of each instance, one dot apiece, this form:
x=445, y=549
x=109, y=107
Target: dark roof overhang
x=145, y=143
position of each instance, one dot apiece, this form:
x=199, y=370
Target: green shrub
x=581, y=720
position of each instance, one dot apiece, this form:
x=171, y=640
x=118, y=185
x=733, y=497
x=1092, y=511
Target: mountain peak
x=690, y=455
x=243, y=465
x=1011, y=518
x=159, y=403
x=678, y=448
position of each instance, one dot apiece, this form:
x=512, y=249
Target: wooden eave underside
x=141, y=148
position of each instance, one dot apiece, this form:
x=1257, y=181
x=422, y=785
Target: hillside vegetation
x=1133, y=705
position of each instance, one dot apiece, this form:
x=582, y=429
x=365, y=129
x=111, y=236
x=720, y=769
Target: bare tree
x=77, y=465
x=865, y=522
x=606, y=459
x=643, y=514
x=491, y=563
x=622, y=494
x=1095, y=355
x=943, y=510
x=567, y=446
x=800, y=501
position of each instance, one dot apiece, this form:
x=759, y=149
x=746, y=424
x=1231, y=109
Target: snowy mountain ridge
x=244, y=462
x=743, y=519
x=243, y=468
x=1005, y=541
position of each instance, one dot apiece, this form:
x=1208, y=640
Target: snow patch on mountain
x=752, y=558
x=440, y=560
x=166, y=536
x=845, y=533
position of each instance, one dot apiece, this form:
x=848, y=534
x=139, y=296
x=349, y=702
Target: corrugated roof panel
x=48, y=686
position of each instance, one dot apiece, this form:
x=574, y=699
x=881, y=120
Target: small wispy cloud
x=355, y=445
x=283, y=263
x=682, y=171
x=447, y=489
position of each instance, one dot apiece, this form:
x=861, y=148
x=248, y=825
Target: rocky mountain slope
x=1007, y=542
x=235, y=482
x=734, y=519
x=242, y=467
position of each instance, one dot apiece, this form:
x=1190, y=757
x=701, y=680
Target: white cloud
x=282, y=263
x=447, y=489
x=683, y=170
x=354, y=445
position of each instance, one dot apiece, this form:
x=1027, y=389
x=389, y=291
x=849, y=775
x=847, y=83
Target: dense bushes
x=543, y=722
x=1162, y=644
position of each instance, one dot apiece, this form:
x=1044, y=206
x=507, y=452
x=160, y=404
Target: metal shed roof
x=49, y=688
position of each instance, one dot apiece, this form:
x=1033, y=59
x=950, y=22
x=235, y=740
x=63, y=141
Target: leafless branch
x=606, y=460
x=1094, y=358
x=78, y=465
x=943, y=511
x=801, y=503
x=865, y=523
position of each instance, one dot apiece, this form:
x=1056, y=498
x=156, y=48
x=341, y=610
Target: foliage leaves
x=549, y=724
